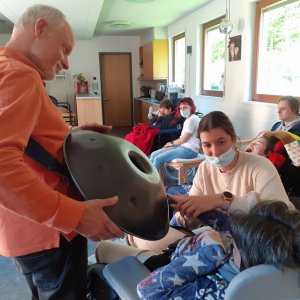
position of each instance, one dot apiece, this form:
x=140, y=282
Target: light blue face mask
x=185, y=113
x=223, y=160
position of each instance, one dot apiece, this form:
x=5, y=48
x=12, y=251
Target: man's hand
x=95, y=224
x=96, y=127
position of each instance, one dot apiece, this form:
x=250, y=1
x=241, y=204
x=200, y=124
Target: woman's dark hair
x=269, y=234
x=189, y=101
x=217, y=119
x=292, y=102
x=166, y=103
x=271, y=142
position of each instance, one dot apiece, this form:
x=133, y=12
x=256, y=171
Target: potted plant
x=82, y=84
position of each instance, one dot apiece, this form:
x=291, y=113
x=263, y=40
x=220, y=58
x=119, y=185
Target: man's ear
x=39, y=27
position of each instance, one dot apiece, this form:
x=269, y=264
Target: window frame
x=205, y=26
x=267, y=98
x=176, y=38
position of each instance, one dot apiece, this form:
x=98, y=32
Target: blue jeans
x=165, y=155
x=58, y=273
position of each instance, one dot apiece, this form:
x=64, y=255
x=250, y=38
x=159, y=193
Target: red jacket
x=142, y=136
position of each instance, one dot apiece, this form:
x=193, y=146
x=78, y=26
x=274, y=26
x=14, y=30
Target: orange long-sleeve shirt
x=35, y=204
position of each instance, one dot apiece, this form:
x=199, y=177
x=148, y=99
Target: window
x=276, y=67
x=213, y=59
x=179, y=60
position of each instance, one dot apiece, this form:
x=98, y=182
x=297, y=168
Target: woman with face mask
x=227, y=176
x=188, y=144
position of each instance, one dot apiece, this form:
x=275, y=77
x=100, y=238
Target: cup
x=152, y=93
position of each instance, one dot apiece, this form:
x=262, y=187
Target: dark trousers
x=58, y=273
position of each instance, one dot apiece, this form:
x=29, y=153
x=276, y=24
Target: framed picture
x=235, y=48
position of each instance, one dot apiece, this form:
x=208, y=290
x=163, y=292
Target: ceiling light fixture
x=226, y=25
x=139, y=1
x=119, y=24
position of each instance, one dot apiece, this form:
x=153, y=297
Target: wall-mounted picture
x=235, y=48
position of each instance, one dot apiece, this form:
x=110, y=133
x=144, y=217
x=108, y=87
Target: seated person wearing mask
x=187, y=145
x=288, y=113
x=226, y=175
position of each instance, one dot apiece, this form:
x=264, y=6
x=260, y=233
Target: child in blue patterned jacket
x=202, y=268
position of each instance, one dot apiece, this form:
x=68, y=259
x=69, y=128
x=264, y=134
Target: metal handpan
x=103, y=166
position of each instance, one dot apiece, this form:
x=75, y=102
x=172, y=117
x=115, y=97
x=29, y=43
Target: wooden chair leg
x=162, y=173
x=181, y=175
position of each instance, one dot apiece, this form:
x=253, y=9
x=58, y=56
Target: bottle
x=95, y=85
x=90, y=89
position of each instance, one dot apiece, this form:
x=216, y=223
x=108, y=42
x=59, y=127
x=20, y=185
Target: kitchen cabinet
x=155, y=60
x=88, y=109
x=141, y=109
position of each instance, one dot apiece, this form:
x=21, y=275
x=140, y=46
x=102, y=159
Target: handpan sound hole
x=132, y=201
x=140, y=162
x=93, y=139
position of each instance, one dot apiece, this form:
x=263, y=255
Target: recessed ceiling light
x=119, y=24
x=139, y=1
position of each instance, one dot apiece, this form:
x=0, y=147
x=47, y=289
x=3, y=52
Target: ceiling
x=94, y=17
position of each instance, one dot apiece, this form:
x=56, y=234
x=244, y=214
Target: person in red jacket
x=43, y=226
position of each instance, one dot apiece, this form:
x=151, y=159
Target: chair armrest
x=169, y=131
x=199, y=158
x=64, y=104
x=124, y=275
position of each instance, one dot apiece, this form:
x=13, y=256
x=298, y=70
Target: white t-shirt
x=190, y=126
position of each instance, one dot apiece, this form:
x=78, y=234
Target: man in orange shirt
x=43, y=226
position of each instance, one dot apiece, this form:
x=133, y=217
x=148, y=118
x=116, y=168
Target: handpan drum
x=103, y=166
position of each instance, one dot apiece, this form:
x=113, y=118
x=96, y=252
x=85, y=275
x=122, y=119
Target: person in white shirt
x=188, y=144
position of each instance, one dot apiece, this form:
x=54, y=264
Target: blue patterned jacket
x=194, y=273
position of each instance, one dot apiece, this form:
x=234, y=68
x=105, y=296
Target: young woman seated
x=272, y=148
x=187, y=145
x=227, y=176
x=201, y=267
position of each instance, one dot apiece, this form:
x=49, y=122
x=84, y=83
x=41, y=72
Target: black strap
x=42, y=156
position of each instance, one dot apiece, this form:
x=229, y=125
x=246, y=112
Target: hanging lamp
x=226, y=25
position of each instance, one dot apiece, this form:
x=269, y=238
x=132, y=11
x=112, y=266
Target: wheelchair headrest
x=291, y=143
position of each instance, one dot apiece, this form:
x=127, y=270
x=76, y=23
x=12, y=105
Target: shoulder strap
x=42, y=156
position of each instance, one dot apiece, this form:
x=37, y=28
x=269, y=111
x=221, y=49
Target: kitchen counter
x=141, y=109
x=87, y=96
x=88, y=109
x=149, y=100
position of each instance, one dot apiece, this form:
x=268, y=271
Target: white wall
x=248, y=117
x=4, y=39
x=85, y=59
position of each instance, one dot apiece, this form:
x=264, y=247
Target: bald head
x=29, y=17
x=44, y=36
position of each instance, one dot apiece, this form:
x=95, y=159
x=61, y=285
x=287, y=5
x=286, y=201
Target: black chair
x=164, y=136
x=65, y=112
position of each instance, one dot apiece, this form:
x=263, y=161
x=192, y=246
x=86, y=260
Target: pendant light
x=226, y=26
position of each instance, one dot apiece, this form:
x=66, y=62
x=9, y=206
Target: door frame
x=130, y=74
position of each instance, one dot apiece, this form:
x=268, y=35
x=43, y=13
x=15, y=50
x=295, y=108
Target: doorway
x=116, y=88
